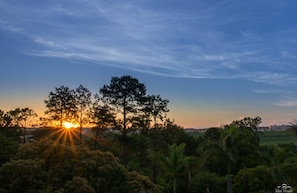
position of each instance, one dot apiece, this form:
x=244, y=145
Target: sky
x=215, y=61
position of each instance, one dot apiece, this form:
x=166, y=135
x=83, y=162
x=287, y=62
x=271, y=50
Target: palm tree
x=175, y=164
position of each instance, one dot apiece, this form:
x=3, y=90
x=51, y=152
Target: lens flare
x=68, y=125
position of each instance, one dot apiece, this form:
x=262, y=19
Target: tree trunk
x=124, y=114
x=189, y=181
x=125, y=139
x=80, y=126
x=61, y=119
x=229, y=184
x=174, y=184
x=96, y=138
x=24, y=134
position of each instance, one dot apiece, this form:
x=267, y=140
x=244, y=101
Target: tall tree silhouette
x=126, y=94
x=83, y=99
x=2, y=120
x=102, y=116
x=61, y=104
x=19, y=118
x=248, y=122
x=25, y=114
x=156, y=107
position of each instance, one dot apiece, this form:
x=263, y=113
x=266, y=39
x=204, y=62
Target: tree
x=253, y=180
x=78, y=185
x=24, y=117
x=126, y=94
x=61, y=104
x=47, y=166
x=293, y=127
x=141, y=121
x=19, y=119
x=156, y=107
x=248, y=122
x=280, y=161
x=22, y=176
x=174, y=165
x=226, y=151
x=2, y=120
x=8, y=148
x=213, y=134
x=13, y=118
x=103, y=117
x=206, y=181
x=215, y=158
x=83, y=99
x=242, y=145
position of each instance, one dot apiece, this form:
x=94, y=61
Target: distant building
x=278, y=127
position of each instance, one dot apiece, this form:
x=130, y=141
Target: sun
x=68, y=125
x=69, y=133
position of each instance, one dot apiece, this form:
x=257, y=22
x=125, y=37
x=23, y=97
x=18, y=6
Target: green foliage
x=23, y=176
x=289, y=171
x=174, y=165
x=139, y=183
x=206, y=180
x=225, y=151
x=213, y=134
x=8, y=148
x=253, y=180
x=51, y=166
x=242, y=145
x=215, y=158
x=78, y=185
x=162, y=154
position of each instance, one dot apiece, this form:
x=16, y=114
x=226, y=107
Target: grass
x=277, y=137
x=268, y=137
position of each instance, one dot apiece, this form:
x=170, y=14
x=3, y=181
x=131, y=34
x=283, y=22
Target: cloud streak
x=179, y=42
x=287, y=102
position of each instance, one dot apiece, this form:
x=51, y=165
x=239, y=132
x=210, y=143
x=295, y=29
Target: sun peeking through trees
x=122, y=104
x=60, y=159
x=68, y=125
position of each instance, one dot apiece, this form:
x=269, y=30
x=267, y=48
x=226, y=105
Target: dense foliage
x=48, y=166
x=142, y=151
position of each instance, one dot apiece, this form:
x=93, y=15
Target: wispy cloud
x=287, y=102
x=273, y=78
x=176, y=41
x=266, y=91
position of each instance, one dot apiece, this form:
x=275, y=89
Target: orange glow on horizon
x=69, y=125
x=67, y=134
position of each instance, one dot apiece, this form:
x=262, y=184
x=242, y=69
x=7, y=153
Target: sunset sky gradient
x=215, y=61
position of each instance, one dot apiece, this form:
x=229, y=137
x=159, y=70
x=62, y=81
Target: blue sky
x=216, y=61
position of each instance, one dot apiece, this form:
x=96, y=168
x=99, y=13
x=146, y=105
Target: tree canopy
x=153, y=155
x=61, y=104
x=125, y=93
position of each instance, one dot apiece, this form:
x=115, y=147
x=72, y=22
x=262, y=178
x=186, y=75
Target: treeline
x=139, y=151
x=123, y=104
x=124, y=96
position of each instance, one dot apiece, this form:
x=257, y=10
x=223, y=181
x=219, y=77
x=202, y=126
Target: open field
x=268, y=137
x=276, y=137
